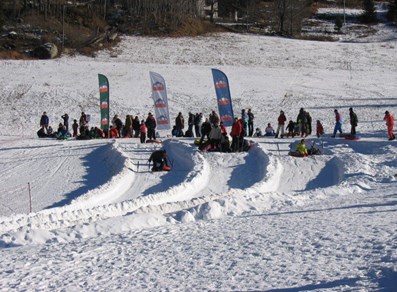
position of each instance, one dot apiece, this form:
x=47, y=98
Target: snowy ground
x=260, y=220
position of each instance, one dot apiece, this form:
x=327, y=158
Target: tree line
x=283, y=16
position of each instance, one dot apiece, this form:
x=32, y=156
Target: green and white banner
x=104, y=101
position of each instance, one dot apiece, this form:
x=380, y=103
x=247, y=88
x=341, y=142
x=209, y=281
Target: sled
x=153, y=141
x=165, y=168
x=197, y=141
x=296, y=154
x=351, y=137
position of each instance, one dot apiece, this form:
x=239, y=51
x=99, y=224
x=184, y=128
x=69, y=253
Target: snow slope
x=259, y=220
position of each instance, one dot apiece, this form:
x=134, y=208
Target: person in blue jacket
x=44, y=122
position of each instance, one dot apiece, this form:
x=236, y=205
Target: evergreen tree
x=338, y=24
x=392, y=13
x=369, y=15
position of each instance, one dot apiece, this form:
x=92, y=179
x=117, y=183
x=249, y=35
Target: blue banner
x=223, y=97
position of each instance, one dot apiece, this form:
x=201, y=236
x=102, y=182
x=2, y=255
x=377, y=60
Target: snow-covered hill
x=259, y=220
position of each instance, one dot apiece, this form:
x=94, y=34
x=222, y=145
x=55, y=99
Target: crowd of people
x=209, y=130
x=131, y=128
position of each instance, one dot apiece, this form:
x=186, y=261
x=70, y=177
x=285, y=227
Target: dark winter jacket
x=150, y=123
x=205, y=128
x=353, y=118
x=44, y=120
x=180, y=122
x=159, y=156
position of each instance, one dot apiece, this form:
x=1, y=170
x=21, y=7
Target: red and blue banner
x=159, y=95
x=223, y=96
x=104, y=101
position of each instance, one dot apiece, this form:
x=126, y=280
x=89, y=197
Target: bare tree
x=289, y=15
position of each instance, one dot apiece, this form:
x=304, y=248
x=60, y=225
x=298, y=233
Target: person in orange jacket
x=389, y=119
x=237, y=129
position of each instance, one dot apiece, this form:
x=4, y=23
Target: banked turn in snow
x=201, y=186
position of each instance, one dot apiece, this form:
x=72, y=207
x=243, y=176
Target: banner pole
x=30, y=198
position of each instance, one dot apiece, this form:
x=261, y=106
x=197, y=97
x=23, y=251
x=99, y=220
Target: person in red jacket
x=223, y=128
x=237, y=129
x=143, y=131
x=389, y=119
x=281, y=122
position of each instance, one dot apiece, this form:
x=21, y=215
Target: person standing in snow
x=389, y=119
x=353, y=121
x=151, y=126
x=319, y=129
x=250, y=123
x=136, y=126
x=44, y=122
x=302, y=122
x=236, y=131
x=128, y=127
x=75, y=127
x=244, y=118
x=205, y=130
x=214, y=118
x=215, y=136
x=338, y=123
x=197, y=124
x=83, y=122
x=180, y=124
x=65, y=118
x=190, y=123
x=280, y=126
x=142, y=131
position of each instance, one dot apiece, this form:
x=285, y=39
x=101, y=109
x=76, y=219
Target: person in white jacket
x=215, y=136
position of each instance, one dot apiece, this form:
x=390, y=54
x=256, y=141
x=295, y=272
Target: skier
x=280, y=127
x=353, y=121
x=389, y=119
x=159, y=158
x=338, y=123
